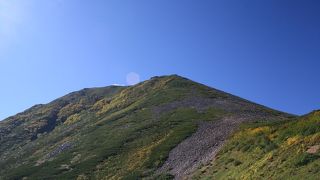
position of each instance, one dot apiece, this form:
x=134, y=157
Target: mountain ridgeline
x=168, y=127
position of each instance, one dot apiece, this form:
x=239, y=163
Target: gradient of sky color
x=267, y=51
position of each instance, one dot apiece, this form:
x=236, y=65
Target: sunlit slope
x=281, y=150
x=118, y=132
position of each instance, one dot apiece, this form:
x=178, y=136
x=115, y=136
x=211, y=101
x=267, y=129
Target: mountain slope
x=277, y=150
x=161, y=128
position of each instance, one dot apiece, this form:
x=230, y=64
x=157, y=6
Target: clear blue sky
x=267, y=51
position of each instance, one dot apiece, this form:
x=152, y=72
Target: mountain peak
x=146, y=128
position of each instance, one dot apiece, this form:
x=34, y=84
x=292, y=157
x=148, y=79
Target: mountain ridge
x=124, y=86
x=125, y=132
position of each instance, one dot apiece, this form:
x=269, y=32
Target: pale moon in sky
x=133, y=78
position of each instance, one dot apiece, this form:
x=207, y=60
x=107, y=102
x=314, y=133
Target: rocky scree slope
x=166, y=127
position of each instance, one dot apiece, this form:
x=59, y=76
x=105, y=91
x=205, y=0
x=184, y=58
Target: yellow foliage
x=72, y=119
x=257, y=166
x=258, y=130
x=98, y=106
x=293, y=140
x=70, y=109
x=140, y=156
x=314, y=139
x=317, y=113
x=272, y=136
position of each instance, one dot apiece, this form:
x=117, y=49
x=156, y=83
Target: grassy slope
x=269, y=151
x=114, y=137
x=110, y=133
x=40, y=128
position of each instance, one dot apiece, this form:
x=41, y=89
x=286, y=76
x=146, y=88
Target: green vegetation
x=277, y=150
x=128, y=133
x=105, y=133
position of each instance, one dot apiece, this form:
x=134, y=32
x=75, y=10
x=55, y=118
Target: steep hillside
x=162, y=128
x=277, y=150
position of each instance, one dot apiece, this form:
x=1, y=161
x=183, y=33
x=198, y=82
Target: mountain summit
x=166, y=127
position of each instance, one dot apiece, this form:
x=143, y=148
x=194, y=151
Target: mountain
x=166, y=127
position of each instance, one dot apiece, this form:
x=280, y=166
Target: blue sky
x=267, y=51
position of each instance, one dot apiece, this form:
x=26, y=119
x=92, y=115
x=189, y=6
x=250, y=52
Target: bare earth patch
x=313, y=149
